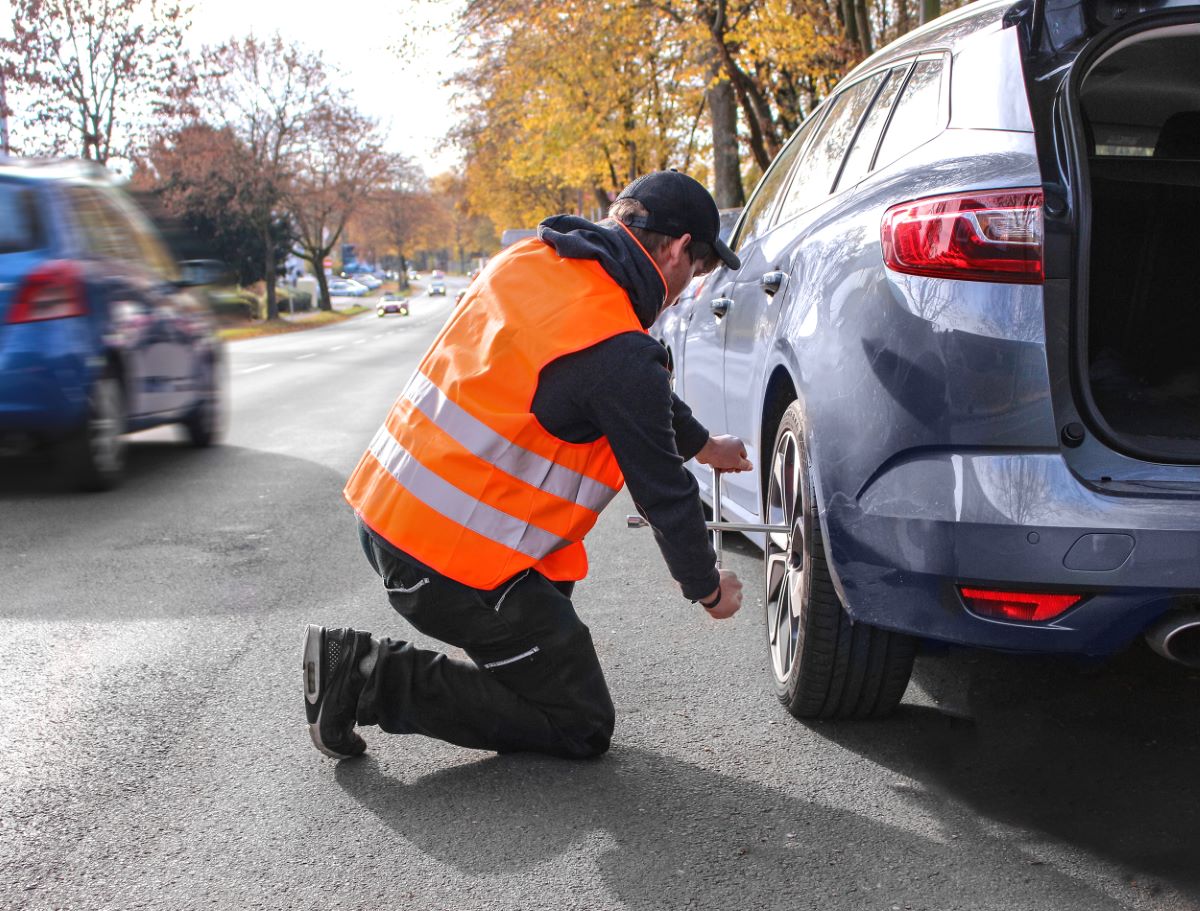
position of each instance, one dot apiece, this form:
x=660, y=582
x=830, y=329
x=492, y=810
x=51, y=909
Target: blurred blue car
x=99, y=334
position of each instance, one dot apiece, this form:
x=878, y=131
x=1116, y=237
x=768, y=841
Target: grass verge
x=282, y=326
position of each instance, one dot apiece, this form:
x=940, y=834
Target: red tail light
x=989, y=237
x=1032, y=606
x=52, y=291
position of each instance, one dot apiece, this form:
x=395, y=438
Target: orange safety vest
x=461, y=475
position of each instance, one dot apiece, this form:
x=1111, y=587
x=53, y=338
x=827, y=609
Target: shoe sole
x=314, y=647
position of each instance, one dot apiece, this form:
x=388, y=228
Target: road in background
x=156, y=756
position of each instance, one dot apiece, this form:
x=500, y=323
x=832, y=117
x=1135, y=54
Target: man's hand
x=730, y=591
x=724, y=453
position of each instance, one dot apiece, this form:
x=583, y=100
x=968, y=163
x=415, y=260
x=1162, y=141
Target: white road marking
x=360, y=341
x=301, y=357
x=259, y=367
x=337, y=347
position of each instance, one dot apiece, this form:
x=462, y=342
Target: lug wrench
x=717, y=527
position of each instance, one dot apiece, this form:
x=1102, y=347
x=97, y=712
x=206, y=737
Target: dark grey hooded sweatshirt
x=621, y=389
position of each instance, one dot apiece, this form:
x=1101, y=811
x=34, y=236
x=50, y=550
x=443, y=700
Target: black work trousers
x=533, y=682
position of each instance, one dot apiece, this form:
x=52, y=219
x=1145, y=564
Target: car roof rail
x=59, y=168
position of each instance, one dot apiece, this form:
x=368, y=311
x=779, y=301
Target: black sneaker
x=332, y=683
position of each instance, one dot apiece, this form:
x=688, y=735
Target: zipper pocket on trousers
x=407, y=591
x=511, y=586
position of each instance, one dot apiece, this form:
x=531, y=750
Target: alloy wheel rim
x=784, y=559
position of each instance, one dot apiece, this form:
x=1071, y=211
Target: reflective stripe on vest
x=477, y=438
x=443, y=497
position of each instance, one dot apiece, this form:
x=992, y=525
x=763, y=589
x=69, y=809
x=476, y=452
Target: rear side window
x=104, y=234
x=152, y=249
x=20, y=219
x=918, y=116
x=858, y=162
x=817, y=171
x=113, y=228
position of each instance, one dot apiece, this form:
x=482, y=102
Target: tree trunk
x=323, y=300
x=403, y=281
x=864, y=26
x=930, y=10
x=850, y=17
x=269, y=277
x=727, y=167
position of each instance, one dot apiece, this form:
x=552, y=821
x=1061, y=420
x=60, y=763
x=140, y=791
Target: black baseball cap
x=679, y=205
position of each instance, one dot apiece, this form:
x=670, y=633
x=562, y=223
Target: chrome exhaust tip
x=1176, y=636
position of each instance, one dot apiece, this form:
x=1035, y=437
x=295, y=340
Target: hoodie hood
x=617, y=252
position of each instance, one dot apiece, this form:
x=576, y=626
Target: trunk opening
x=1141, y=107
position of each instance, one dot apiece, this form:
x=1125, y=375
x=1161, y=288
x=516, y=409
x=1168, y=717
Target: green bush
x=235, y=303
x=300, y=300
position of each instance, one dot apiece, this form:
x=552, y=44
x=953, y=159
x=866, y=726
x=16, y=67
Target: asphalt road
x=154, y=751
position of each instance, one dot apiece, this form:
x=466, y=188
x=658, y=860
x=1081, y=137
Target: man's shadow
x=677, y=835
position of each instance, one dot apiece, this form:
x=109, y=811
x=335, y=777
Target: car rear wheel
x=823, y=664
x=93, y=457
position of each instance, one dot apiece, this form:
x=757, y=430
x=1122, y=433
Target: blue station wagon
x=99, y=334
x=962, y=350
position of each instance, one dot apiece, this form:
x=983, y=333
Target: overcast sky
x=360, y=38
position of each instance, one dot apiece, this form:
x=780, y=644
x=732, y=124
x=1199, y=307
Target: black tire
x=205, y=424
x=823, y=664
x=92, y=458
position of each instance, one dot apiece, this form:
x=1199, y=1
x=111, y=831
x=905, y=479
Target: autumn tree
x=397, y=215
x=339, y=166
x=203, y=178
x=88, y=74
x=269, y=93
x=608, y=90
x=455, y=227
x=570, y=100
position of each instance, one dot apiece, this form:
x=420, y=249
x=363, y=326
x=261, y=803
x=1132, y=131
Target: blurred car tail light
x=991, y=237
x=1003, y=605
x=52, y=291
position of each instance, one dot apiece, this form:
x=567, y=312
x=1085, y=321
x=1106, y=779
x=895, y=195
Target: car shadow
x=190, y=531
x=35, y=470
x=662, y=833
x=1102, y=756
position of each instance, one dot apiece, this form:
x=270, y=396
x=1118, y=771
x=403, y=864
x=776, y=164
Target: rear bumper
x=45, y=373
x=1010, y=521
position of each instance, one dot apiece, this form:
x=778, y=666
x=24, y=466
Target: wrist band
x=715, y=602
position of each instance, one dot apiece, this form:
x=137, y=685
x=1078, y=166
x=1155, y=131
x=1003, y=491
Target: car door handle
x=771, y=282
x=719, y=305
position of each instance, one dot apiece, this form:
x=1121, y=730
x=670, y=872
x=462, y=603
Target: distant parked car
x=413, y=275
x=100, y=333
x=346, y=287
x=369, y=281
x=961, y=349
x=390, y=303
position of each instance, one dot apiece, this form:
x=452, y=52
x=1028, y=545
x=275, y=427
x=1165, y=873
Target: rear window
x=918, y=116
x=20, y=220
x=815, y=175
